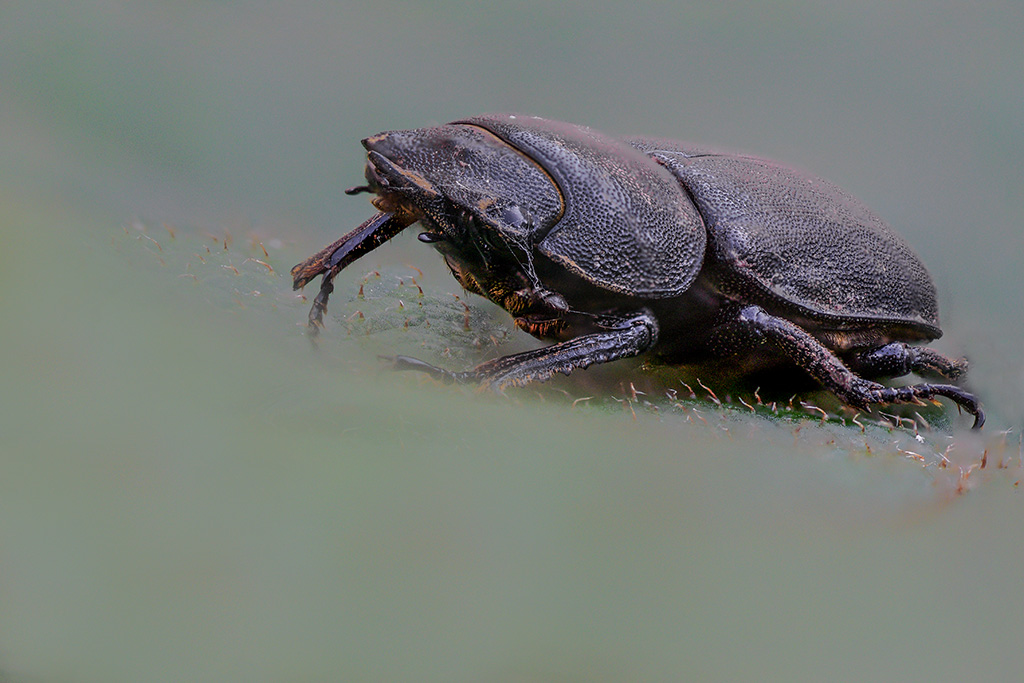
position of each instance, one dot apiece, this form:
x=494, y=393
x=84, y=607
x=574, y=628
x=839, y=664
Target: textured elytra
x=628, y=226
x=802, y=238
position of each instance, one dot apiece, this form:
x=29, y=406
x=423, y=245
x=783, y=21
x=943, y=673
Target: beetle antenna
x=358, y=189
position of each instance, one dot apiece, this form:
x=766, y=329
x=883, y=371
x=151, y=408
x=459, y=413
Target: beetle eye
x=429, y=237
x=512, y=216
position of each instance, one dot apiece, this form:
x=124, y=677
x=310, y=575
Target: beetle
x=611, y=248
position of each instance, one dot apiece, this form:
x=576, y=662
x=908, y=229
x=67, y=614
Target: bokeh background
x=190, y=491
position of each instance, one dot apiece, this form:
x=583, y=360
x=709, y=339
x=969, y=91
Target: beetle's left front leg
x=316, y=313
x=617, y=337
x=808, y=353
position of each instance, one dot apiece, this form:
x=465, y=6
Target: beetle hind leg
x=897, y=359
x=811, y=355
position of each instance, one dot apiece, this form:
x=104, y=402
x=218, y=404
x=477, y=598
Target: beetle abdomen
x=801, y=238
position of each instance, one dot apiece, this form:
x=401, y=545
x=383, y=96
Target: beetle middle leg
x=818, y=361
x=617, y=337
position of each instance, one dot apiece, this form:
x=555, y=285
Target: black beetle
x=613, y=248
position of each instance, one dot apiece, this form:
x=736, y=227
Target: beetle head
x=462, y=182
x=482, y=202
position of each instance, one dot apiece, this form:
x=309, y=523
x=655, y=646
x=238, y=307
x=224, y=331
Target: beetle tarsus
x=316, y=313
x=410, y=363
x=915, y=392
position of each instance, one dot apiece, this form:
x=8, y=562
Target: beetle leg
x=620, y=337
x=409, y=363
x=330, y=260
x=374, y=232
x=811, y=355
x=316, y=313
x=897, y=359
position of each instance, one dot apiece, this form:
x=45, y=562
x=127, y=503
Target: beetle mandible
x=611, y=248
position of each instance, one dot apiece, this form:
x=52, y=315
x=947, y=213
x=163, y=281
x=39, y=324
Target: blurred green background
x=188, y=491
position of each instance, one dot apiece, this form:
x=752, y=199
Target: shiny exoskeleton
x=615, y=247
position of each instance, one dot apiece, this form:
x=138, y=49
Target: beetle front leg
x=316, y=313
x=619, y=337
x=808, y=353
